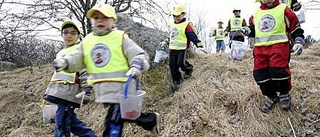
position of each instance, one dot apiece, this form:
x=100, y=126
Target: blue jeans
x=67, y=122
x=220, y=46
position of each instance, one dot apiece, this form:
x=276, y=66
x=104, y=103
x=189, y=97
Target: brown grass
x=220, y=99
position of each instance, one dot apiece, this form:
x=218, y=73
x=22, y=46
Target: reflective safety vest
x=287, y=2
x=235, y=23
x=178, y=38
x=62, y=76
x=270, y=26
x=104, y=57
x=220, y=34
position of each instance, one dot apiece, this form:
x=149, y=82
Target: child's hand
x=59, y=64
x=134, y=72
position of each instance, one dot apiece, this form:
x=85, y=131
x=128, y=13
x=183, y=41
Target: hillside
x=220, y=99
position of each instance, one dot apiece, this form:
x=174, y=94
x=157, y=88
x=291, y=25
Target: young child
x=181, y=33
x=64, y=87
x=237, y=23
x=219, y=34
x=109, y=57
x=272, y=23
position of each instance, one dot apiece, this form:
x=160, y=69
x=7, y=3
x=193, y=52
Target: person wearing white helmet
x=219, y=34
x=182, y=33
x=237, y=23
x=274, y=24
x=110, y=58
x=64, y=87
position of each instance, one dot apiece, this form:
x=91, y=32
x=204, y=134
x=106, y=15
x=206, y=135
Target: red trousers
x=271, y=68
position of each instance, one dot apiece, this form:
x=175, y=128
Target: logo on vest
x=221, y=32
x=266, y=23
x=101, y=55
x=236, y=22
x=174, y=33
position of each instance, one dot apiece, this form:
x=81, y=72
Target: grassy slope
x=220, y=99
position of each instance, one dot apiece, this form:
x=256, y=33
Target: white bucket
x=49, y=113
x=131, y=102
x=160, y=56
x=238, y=50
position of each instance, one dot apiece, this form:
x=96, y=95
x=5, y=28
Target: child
x=237, y=23
x=181, y=33
x=219, y=33
x=109, y=57
x=64, y=87
x=272, y=23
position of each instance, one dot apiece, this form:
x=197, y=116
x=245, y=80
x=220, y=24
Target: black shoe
x=188, y=73
x=176, y=85
x=285, y=101
x=269, y=104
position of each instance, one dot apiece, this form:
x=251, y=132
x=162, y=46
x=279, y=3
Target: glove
x=297, y=47
x=134, y=72
x=199, y=45
x=59, y=64
x=245, y=30
x=87, y=94
x=296, y=6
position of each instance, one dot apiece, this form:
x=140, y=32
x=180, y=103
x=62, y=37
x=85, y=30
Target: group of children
x=106, y=57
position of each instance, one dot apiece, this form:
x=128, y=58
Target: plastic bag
x=238, y=50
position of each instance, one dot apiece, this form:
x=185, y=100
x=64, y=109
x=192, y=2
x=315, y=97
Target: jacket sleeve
x=75, y=59
x=293, y=25
x=131, y=50
x=251, y=27
x=191, y=35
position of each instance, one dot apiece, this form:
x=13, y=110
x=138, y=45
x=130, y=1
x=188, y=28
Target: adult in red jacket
x=273, y=24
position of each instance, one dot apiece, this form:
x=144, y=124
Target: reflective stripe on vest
x=104, y=57
x=178, y=38
x=270, y=26
x=63, y=76
x=220, y=34
x=235, y=23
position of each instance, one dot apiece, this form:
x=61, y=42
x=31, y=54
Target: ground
x=220, y=99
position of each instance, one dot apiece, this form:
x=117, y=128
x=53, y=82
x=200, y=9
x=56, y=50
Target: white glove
x=297, y=47
x=59, y=64
x=246, y=30
x=134, y=72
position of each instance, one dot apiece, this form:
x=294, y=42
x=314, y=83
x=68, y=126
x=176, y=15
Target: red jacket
x=292, y=22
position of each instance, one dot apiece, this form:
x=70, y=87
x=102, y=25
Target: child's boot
x=285, y=101
x=269, y=104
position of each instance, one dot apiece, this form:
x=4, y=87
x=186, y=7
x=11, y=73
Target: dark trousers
x=67, y=122
x=271, y=69
x=178, y=60
x=114, y=123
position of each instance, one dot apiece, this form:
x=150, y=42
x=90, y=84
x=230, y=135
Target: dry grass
x=220, y=99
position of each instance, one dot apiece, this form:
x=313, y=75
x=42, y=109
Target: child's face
x=178, y=18
x=70, y=36
x=100, y=22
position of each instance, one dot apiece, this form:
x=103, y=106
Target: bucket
x=161, y=55
x=238, y=50
x=49, y=113
x=131, y=102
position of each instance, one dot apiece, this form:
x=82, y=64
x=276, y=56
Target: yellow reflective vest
x=62, y=76
x=270, y=26
x=178, y=38
x=104, y=57
x=236, y=23
x=220, y=34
